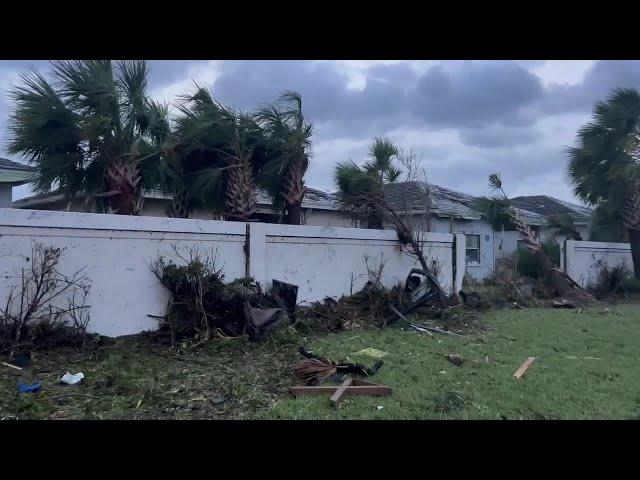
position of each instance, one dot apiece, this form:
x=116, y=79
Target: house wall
x=472, y=227
x=328, y=218
x=116, y=252
x=582, y=261
x=5, y=195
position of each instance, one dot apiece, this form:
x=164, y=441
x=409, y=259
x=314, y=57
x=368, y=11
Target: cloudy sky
x=465, y=119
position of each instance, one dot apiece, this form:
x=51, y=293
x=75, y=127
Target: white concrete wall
x=117, y=251
x=5, y=195
x=582, y=261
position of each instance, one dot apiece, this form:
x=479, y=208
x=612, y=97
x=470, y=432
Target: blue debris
x=33, y=388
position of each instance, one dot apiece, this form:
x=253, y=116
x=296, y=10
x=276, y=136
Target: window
x=473, y=249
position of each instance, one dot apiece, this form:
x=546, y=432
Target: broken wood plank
x=523, y=368
x=374, y=390
x=11, y=366
x=339, y=394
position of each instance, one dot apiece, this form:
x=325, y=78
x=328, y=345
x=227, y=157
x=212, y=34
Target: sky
x=463, y=119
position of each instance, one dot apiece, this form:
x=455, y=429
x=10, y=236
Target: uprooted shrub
x=529, y=266
x=47, y=308
x=611, y=280
x=202, y=305
x=368, y=307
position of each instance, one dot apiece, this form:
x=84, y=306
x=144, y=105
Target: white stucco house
x=12, y=174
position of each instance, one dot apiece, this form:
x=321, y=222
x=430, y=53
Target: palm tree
x=604, y=167
x=216, y=155
x=563, y=224
x=94, y=130
x=289, y=140
x=499, y=213
x=360, y=188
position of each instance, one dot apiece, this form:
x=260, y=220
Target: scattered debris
x=70, y=379
x=314, y=369
x=11, y=366
x=450, y=401
x=562, y=303
x=350, y=386
x=202, y=304
x=524, y=367
x=285, y=294
x=380, y=407
x=29, y=388
x=372, y=352
x=456, y=359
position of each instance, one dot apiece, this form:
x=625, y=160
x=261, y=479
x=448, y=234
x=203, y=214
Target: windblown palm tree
x=605, y=166
x=94, y=130
x=216, y=154
x=289, y=141
x=360, y=188
x=499, y=213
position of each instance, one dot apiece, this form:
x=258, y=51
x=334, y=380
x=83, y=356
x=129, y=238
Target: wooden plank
x=376, y=390
x=339, y=394
x=10, y=366
x=358, y=382
x=523, y=368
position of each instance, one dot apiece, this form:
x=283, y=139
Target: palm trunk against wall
x=294, y=190
x=558, y=280
x=240, y=201
x=124, y=195
x=178, y=208
x=631, y=215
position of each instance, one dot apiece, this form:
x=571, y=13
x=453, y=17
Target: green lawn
x=136, y=378
x=427, y=386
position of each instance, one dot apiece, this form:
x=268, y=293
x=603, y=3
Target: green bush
x=631, y=285
x=528, y=265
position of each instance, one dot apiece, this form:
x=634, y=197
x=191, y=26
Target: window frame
x=474, y=262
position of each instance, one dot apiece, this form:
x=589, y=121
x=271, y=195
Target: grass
x=585, y=368
x=561, y=384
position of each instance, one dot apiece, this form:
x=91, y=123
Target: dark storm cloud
x=496, y=136
x=474, y=94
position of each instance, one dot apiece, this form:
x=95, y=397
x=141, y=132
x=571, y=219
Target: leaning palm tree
x=92, y=130
x=356, y=183
x=289, y=140
x=604, y=167
x=499, y=213
x=216, y=155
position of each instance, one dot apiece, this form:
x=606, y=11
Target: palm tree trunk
x=558, y=280
x=178, y=207
x=631, y=215
x=634, y=241
x=122, y=179
x=294, y=190
x=240, y=192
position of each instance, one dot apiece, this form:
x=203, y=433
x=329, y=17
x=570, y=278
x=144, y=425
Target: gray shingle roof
x=412, y=196
x=14, y=173
x=403, y=196
x=549, y=206
x=314, y=199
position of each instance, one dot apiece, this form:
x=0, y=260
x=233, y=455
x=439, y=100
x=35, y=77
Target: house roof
x=411, y=196
x=14, y=173
x=314, y=199
x=549, y=206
